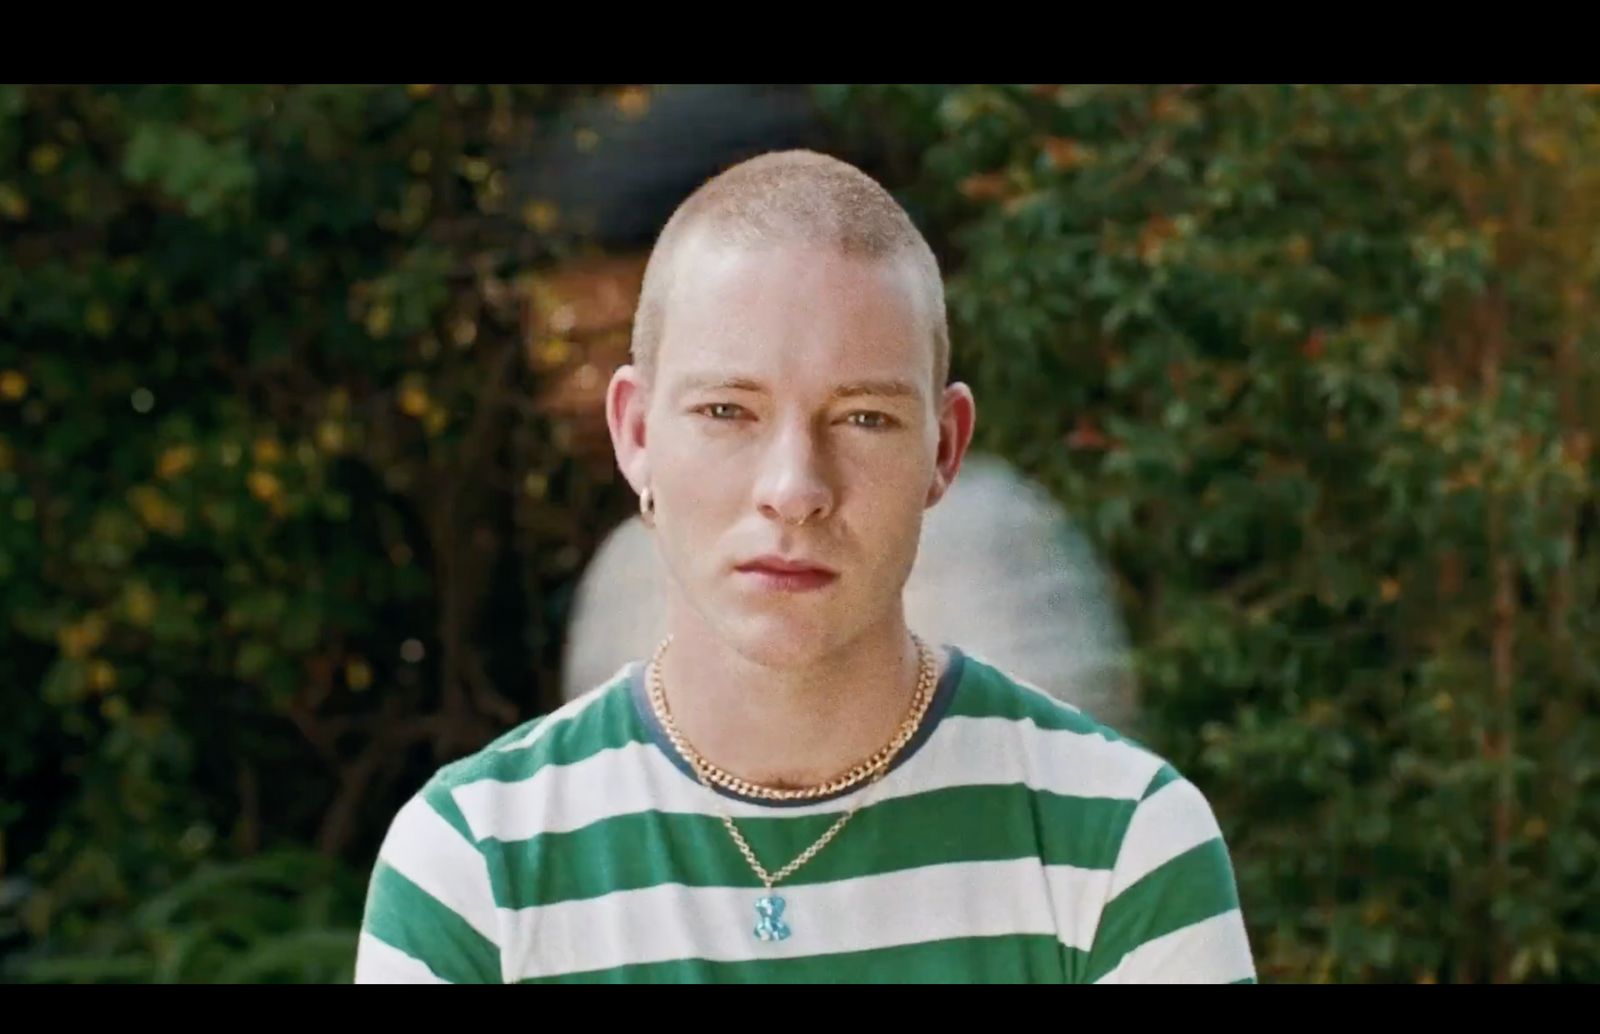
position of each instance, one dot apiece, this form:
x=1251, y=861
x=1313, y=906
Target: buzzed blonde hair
x=791, y=197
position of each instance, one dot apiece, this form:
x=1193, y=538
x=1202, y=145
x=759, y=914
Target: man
x=794, y=786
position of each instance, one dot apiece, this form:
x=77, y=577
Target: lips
x=784, y=565
x=787, y=574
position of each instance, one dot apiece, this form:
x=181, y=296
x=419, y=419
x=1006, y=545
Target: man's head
x=789, y=198
x=787, y=402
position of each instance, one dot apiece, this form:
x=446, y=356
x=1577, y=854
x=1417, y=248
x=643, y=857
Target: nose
x=794, y=487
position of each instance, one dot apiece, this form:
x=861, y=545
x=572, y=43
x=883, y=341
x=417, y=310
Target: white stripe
x=1213, y=951
x=1077, y=899
x=566, y=712
x=672, y=921
x=961, y=752
x=378, y=963
x=1174, y=819
x=1074, y=764
x=429, y=852
x=561, y=798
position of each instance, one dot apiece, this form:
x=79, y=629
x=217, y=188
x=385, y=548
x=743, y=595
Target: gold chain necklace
x=770, y=923
x=861, y=772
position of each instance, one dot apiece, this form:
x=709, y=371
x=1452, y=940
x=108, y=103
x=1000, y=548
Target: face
x=792, y=438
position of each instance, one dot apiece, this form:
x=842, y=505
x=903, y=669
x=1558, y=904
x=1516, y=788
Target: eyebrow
x=711, y=382
x=880, y=388
x=893, y=389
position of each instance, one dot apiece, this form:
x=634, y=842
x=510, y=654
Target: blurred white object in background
x=1000, y=573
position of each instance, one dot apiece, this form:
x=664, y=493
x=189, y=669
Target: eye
x=871, y=420
x=721, y=410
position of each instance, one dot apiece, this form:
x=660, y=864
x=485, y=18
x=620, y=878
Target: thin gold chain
x=862, y=772
x=874, y=772
x=770, y=879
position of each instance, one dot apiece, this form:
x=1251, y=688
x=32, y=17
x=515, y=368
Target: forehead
x=793, y=316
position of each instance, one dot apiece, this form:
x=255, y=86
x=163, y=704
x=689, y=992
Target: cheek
x=889, y=498
x=702, y=491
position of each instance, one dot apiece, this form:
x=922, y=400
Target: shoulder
x=1073, y=752
x=478, y=794
x=594, y=723
x=432, y=906
x=1155, y=814
x=1169, y=908
x=1165, y=902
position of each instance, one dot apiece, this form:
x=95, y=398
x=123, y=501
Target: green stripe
x=973, y=960
x=1192, y=887
x=987, y=692
x=404, y=916
x=605, y=724
x=1168, y=774
x=956, y=824
x=438, y=797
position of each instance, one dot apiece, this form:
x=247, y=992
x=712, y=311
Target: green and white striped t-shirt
x=1015, y=841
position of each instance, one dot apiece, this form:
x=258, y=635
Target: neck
x=795, y=726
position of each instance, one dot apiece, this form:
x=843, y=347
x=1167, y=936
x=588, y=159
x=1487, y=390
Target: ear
x=627, y=400
x=958, y=415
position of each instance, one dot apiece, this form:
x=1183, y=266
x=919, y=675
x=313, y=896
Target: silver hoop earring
x=647, y=506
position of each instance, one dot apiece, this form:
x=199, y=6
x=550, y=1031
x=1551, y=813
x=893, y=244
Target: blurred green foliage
x=281, y=531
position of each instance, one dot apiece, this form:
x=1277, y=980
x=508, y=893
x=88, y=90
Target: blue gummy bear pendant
x=769, y=919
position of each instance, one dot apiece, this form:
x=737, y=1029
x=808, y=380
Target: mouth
x=787, y=574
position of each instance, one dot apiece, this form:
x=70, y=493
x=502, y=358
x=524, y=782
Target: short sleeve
x=430, y=913
x=1172, y=915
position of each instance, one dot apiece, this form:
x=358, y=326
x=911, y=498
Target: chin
x=783, y=641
